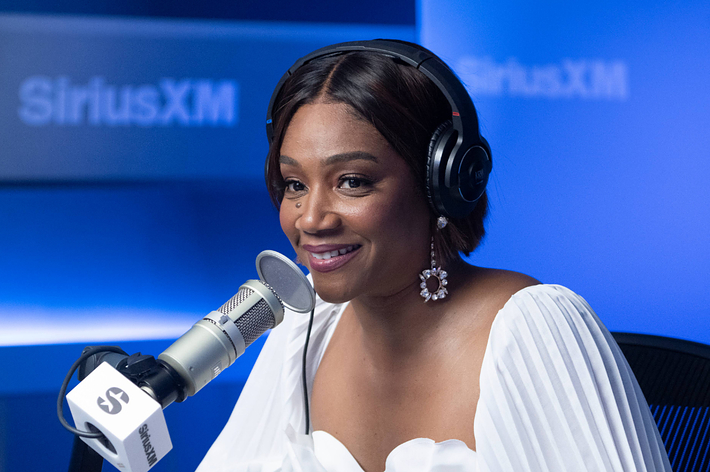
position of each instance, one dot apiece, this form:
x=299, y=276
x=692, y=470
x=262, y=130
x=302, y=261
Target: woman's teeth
x=337, y=252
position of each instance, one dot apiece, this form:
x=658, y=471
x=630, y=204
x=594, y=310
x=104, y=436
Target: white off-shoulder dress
x=556, y=394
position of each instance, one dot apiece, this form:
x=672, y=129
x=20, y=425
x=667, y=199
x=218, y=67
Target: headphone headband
x=444, y=184
x=430, y=65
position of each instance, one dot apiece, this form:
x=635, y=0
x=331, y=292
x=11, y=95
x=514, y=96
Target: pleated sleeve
x=558, y=395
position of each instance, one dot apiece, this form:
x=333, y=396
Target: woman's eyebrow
x=334, y=159
x=289, y=161
x=350, y=156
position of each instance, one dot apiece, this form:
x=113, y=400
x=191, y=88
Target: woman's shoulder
x=554, y=382
x=514, y=299
x=547, y=304
x=487, y=290
x=501, y=284
x=515, y=306
x=506, y=292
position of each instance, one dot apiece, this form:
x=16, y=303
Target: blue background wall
x=598, y=117
x=131, y=154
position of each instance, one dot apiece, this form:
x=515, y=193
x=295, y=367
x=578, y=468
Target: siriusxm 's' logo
x=184, y=102
x=583, y=78
x=112, y=404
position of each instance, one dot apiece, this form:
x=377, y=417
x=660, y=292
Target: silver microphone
x=217, y=340
x=112, y=399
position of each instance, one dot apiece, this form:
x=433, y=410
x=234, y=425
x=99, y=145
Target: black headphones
x=459, y=159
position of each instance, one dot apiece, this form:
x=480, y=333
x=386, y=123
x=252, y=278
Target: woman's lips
x=329, y=257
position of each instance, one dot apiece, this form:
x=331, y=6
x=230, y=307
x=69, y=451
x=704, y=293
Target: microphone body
x=215, y=342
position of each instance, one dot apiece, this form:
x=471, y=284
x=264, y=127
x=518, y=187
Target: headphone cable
x=305, y=382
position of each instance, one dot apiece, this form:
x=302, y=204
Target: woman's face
x=351, y=208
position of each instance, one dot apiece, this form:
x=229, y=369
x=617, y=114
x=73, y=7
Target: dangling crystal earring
x=436, y=272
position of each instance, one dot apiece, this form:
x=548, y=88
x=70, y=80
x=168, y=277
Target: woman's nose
x=317, y=213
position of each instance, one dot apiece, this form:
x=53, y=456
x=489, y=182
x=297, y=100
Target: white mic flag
x=136, y=435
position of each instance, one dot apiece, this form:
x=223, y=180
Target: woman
x=417, y=360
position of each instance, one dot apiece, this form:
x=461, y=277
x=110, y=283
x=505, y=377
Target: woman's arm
x=558, y=395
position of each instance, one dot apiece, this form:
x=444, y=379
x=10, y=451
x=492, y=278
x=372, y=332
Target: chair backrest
x=674, y=376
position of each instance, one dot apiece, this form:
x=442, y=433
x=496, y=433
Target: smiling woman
x=379, y=172
x=358, y=197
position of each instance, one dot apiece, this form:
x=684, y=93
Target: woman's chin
x=332, y=293
x=334, y=298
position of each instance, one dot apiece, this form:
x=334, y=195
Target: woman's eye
x=294, y=186
x=351, y=182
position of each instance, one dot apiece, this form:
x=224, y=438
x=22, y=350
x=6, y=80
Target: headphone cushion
x=434, y=141
x=439, y=148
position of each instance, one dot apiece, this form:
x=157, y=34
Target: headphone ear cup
x=440, y=147
x=473, y=174
x=455, y=195
x=435, y=138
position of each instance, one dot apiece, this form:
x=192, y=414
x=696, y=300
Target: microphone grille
x=255, y=322
x=232, y=303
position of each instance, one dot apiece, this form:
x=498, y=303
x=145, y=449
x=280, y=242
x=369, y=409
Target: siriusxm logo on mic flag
x=147, y=446
x=170, y=102
x=136, y=435
x=112, y=403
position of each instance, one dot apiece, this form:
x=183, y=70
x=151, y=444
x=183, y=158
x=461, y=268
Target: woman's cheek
x=287, y=221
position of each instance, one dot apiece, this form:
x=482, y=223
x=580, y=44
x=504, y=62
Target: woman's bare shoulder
x=492, y=288
x=505, y=283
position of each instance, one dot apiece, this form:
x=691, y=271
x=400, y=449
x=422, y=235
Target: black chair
x=674, y=376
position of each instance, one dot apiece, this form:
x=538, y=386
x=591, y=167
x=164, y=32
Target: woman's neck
x=402, y=325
